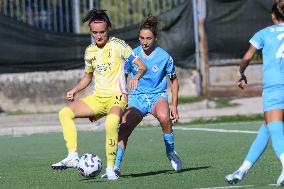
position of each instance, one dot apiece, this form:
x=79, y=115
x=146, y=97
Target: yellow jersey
x=107, y=66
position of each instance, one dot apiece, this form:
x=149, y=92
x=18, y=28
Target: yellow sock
x=111, y=124
x=66, y=118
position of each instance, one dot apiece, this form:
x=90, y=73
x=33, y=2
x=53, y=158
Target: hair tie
x=99, y=21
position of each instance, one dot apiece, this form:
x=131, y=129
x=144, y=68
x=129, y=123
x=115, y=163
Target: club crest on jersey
x=109, y=53
x=155, y=68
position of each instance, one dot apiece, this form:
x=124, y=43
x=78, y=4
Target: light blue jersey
x=159, y=65
x=271, y=41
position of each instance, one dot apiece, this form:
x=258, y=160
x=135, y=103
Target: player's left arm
x=174, y=89
x=170, y=70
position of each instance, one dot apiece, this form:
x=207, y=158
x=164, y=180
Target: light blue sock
x=276, y=132
x=259, y=145
x=119, y=156
x=169, y=142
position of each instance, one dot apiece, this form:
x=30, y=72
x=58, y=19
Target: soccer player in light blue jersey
x=150, y=96
x=271, y=41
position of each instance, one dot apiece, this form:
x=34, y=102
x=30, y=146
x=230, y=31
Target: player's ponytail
x=278, y=9
x=96, y=15
x=150, y=23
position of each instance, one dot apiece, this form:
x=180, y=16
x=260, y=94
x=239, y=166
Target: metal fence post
x=48, y=15
x=76, y=15
x=204, y=66
x=197, y=48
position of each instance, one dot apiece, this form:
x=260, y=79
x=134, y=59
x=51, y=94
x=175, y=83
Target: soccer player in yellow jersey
x=104, y=62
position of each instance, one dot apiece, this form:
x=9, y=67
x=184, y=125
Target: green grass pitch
x=207, y=157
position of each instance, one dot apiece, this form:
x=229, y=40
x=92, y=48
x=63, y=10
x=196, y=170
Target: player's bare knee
x=65, y=113
x=164, y=119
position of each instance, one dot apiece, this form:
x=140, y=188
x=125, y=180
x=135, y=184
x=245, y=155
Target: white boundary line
x=215, y=130
x=221, y=187
x=243, y=186
x=226, y=123
x=207, y=130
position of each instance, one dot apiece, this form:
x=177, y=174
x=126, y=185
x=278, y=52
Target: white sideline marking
x=215, y=130
x=243, y=186
x=227, y=187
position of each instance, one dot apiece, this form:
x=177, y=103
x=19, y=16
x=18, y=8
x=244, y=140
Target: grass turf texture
x=207, y=158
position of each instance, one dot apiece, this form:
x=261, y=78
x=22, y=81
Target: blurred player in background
x=271, y=41
x=150, y=96
x=104, y=62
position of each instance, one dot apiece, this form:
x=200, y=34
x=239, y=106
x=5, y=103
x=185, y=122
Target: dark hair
x=97, y=15
x=151, y=24
x=278, y=9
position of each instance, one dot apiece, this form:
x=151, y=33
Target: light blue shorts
x=273, y=98
x=145, y=102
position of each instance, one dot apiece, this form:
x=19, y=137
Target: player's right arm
x=130, y=58
x=241, y=78
x=86, y=79
x=142, y=68
x=84, y=82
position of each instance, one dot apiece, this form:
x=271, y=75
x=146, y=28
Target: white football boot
x=235, y=177
x=110, y=174
x=175, y=161
x=116, y=171
x=66, y=163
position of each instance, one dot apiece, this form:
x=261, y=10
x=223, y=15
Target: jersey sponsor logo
x=155, y=68
x=103, y=67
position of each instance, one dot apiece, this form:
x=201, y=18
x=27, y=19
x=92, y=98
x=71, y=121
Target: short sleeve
x=170, y=68
x=257, y=40
x=127, y=67
x=88, y=63
x=125, y=50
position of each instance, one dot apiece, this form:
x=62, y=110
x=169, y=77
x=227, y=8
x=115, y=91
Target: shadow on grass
x=88, y=180
x=163, y=171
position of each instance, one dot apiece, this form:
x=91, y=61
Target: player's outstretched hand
x=70, y=95
x=174, y=115
x=241, y=81
x=133, y=84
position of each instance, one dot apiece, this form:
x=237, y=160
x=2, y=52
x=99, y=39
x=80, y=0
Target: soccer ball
x=90, y=165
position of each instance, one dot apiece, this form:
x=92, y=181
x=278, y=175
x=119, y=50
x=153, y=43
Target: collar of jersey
x=146, y=57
